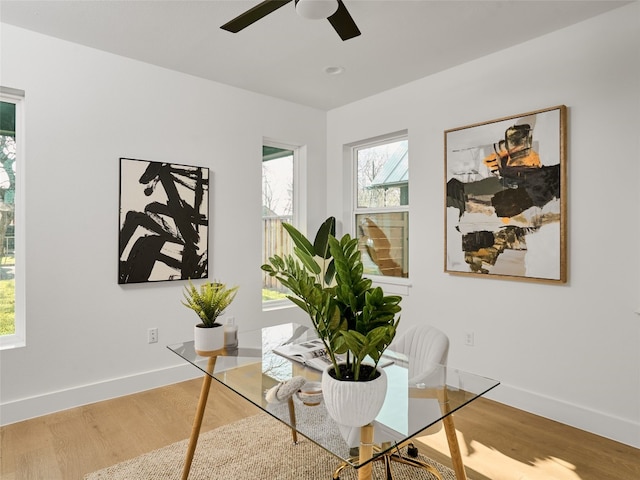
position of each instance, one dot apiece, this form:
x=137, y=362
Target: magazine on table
x=313, y=353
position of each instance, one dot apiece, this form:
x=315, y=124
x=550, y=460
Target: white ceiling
x=284, y=55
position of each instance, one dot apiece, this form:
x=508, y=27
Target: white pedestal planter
x=354, y=404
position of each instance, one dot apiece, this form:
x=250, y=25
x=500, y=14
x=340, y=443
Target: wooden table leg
x=454, y=448
x=197, y=422
x=292, y=419
x=452, y=439
x=366, y=451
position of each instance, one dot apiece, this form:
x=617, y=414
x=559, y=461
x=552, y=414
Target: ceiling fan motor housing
x=332, y=10
x=316, y=9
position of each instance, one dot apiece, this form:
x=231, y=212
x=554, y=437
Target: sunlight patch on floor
x=493, y=464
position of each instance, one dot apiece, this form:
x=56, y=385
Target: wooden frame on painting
x=505, y=200
x=164, y=221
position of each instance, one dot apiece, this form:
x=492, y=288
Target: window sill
x=277, y=305
x=391, y=285
x=8, y=342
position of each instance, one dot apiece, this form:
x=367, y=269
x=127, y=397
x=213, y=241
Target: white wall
x=87, y=335
x=570, y=352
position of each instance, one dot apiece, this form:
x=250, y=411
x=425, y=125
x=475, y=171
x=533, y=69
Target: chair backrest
x=427, y=348
x=424, y=345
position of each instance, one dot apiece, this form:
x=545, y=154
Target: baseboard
x=31, y=407
x=608, y=426
x=605, y=425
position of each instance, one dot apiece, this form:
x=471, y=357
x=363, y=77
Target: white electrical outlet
x=468, y=338
x=152, y=335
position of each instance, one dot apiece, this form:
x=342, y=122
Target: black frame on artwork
x=163, y=221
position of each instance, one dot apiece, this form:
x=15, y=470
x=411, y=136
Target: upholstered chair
x=426, y=348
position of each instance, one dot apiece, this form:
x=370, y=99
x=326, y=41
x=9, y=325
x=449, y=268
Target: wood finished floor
x=498, y=442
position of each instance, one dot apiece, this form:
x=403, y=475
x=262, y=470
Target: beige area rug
x=255, y=448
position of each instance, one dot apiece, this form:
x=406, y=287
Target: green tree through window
x=7, y=216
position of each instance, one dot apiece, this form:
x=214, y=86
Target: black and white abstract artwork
x=164, y=221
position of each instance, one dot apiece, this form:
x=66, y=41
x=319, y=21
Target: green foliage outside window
x=7, y=216
x=7, y=307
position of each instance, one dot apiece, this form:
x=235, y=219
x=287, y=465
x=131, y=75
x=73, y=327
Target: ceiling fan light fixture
x=316, y=9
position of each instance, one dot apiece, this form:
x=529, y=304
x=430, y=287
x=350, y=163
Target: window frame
x=391, y=285
x=18, y=339
x=299, y=204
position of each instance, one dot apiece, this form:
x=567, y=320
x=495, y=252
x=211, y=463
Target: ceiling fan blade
x=253, y=15
x=343, y=23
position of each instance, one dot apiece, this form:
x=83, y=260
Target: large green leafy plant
x=209, y=301
x=354, y=319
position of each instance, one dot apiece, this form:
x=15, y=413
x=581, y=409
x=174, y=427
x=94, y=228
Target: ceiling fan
x=332, y=10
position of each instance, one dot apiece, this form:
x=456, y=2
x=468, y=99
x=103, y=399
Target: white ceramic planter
x=208, y=340
x=354, y=404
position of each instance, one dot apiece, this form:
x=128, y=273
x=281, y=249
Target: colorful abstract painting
x=164, y=221
x=505, y=197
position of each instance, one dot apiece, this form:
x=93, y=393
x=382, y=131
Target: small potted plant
x=209, y=302
x=354, y=320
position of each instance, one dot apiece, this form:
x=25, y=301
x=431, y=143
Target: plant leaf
x=299, y=239
x=308, y=261
x=321, y=242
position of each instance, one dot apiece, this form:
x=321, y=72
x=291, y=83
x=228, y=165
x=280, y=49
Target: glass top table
x=410, y=407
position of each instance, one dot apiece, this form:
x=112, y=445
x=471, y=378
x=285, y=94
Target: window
x=12, y=326
x=382, y=205
x=279, y=168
